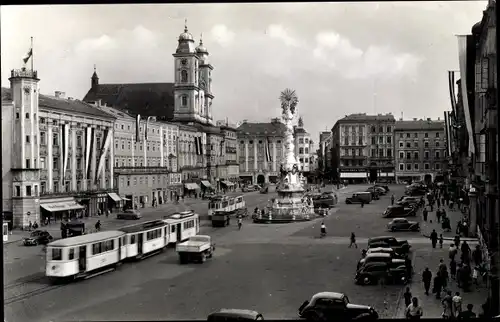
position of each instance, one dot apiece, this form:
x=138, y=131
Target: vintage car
x=250, y=188
x=37, y=237
x=221, y=218
x=399, y=211
x=380, y=257
x=399, y=246
x=373, y=272
x=264, y=189
x=403, y=224
x=383, y=250
x=324, y=200
x=129, y=214
x=358, y=197
x=226, y=315
x=383, y=186
x=408, y=200
x=328, y=306
x=381, y=191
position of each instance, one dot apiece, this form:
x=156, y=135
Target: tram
x=85, y=255
x=226, y=204
x=145, y=239
x=182, y=225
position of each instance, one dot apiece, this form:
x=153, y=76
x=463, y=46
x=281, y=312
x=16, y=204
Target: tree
x=289, y=98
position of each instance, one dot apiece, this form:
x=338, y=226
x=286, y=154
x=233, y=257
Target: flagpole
x=32, y=55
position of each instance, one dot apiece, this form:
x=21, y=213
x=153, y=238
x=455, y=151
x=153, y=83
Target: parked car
x=372, y=273
x=408, y=200
x=384, y=186
x=379, y=190
x=328, y=306
x=324, y=200
x=399, y=211
x=264, y=189
x=228, y=315
x=383, y=250
x=37, y=237
x=399, y=246
x=250, y=188
x=357, y=197
x=403, y=224
x=130, y=214
x=380, y=258
x=375, y=194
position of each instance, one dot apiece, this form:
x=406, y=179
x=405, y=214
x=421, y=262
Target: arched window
x=373, y=129
x=184, y=76
x=184, y=100
x=301, y=150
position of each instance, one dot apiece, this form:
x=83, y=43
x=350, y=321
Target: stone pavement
x=432, y=223
x=429, y=257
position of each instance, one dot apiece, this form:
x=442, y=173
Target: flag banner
x=462, y=60
x=200, y=142
x=91, y=152
x=146, y=129
x=138, y=128
x=447, y=132
x=221, y=148
x=196, y=147
x=28, y=55
x=88, y=139
x=65, y=147
x=268, y=150
x=451, y=86
x=103, y=150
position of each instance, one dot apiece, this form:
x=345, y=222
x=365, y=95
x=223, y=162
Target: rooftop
x=271, y=128
x=62, y=104
x=363, y=117
x=419, y=125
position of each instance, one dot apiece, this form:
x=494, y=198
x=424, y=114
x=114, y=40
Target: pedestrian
x=425, y=213
x=353, y=241
x=438, y=202
x=436, y=288
x=323, y=229
x=441, y=240
x=362, y=203
x=414, y=311
x=475, y=275
x=477, y=255
x=392, y=200
x=30, y=226
x=107, y=213
x=456, y=240
x=98, y=225
x=407, y=295
x=457, y=305
x=438, y=215
x=469, y=314
x=434, y=237
x=447, y=306
x=409, y=268
x=240, y=223
x=453, y=268
x=426, y=279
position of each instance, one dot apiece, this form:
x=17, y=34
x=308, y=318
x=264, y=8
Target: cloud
x=222, y=35
x=337, y=52
x=279, y=32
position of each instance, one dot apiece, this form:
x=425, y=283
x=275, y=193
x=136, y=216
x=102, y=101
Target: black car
x=399, y=246
x=398, y=211
x=37, y=237
x=372, y=273
x=384, y=186
x=227, y=315
x=328, y=306
x=403, y=224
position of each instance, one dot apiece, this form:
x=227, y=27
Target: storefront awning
x=227, y=183
x=114, y=196
x=62, y=206
x=191, y=186
x=126, y=199
x=206, y=184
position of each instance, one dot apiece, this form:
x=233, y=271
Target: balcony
x=77, y=193
x=141, y=170
x=230, y=149
x=231, y=162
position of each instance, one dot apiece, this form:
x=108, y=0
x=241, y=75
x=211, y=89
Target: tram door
x=179, y=232
x=82, y=258
x=120, y=248
x=139, y=243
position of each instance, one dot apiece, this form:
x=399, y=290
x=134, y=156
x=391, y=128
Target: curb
x=451, y=239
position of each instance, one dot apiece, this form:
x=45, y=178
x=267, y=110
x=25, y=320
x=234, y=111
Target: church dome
x=201, y=49
x=186, y=35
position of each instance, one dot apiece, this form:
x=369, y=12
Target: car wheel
x=35, y=242
x=367, y=280
x=314, y=317
x=393, y=229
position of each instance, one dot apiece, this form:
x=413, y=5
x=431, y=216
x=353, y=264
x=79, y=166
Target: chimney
x=59, y=94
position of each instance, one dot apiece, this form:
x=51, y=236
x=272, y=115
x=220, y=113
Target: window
x=306, y=150
x=374, y=140
x=415, y=135
x=184, y=100
x=426, y=144
x=408, y=155
x=78, y=164
x=381, y=140
x=426, y=135
x=36, y=190
x=71, y=254
x=415, y=144
x=184, y=76
x=437, y=154
x=401, y=155
x=18, y=191
x=56, y=254
x=56, y=186
x=381, y=153
x=43, y=187
x=437, y=144
x=42, y=138
x=27, y=115
x=408, y=166
x=373, y=129
x=55, y=139
x=28, y=191
x=79, y=141
x=389, y=129
x=407, y=135
x=408, y=145
x=360, y=141
x=55, y=164
x=28, y=163
x=400, y=135
x=426, y=155
x=389, y=140
x=426, y=166
x=437, y=134
x=415, y=166
x=18, y=115
x=380, y=129
x=437, y=166
x=374, y=153
x=389, y=153
x=401, y=144
x=415, y=155
x=346, y=141
x=67, y=186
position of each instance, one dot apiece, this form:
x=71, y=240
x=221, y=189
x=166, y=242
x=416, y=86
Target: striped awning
x=114, y=196
x=206, y=184
x=62, y=206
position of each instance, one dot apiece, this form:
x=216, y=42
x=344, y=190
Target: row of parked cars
x=372, y=193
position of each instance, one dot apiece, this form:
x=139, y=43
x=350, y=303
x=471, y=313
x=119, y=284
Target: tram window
x=224, y=204
x=109, y=245
x=124, y=241
x=96, y=248
x=132, y=239
x=173, y=229
x=231, y=202
x=71, y=254
x=56, y=254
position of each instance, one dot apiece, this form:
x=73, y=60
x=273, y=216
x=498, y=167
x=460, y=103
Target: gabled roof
x=63, y=105
x=146, y=99
x=272, y=128
x=419, y=125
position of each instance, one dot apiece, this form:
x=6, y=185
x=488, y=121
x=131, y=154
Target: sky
x=340, y=58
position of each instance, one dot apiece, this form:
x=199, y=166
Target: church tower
x=205, y=82
x=25, y=156
x=186, y=91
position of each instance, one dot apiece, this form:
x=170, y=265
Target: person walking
x=426, y=279
x=414, y=311
x=240, y=223
x=323, y=230
x=434, y=238
x=441, y=240
x=353, y=241
x=452, y=251
x=407, y=295
x=438, y=216
x=425, y=213
x=457, y=305
x=437, y=287
x=453, y=268
x=447, y=306
x=392, y=200
x=98, y=225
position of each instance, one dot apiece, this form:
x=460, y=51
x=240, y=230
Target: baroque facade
x=420, y=147
x=303, y=150
x=261, y=151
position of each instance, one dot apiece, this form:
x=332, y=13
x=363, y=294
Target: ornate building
x=420, y=147
x=230, y=150
x=58, y=156
x=302, y=147
x=261, y=151
x=186, y=102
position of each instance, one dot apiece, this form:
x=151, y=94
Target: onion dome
x=201, y=49
x=186, y=35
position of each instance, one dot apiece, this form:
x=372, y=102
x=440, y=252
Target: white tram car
x=145, y=239
x=226, y=204
x=85, y=255
x=182, y=225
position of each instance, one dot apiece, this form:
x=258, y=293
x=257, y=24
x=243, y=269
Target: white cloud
x=222, y=35
x=279, y=32
x=339, y=53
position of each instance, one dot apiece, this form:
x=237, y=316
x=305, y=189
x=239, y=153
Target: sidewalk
x=432, y=307
x=427, y=227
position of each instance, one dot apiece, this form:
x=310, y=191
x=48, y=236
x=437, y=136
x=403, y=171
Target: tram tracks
x=20, y=291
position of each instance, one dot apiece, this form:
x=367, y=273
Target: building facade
x=326, y=169
x=302, y=149
x=261, y=151
x=61, y=158
x=420, y=147
x=230, y=149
